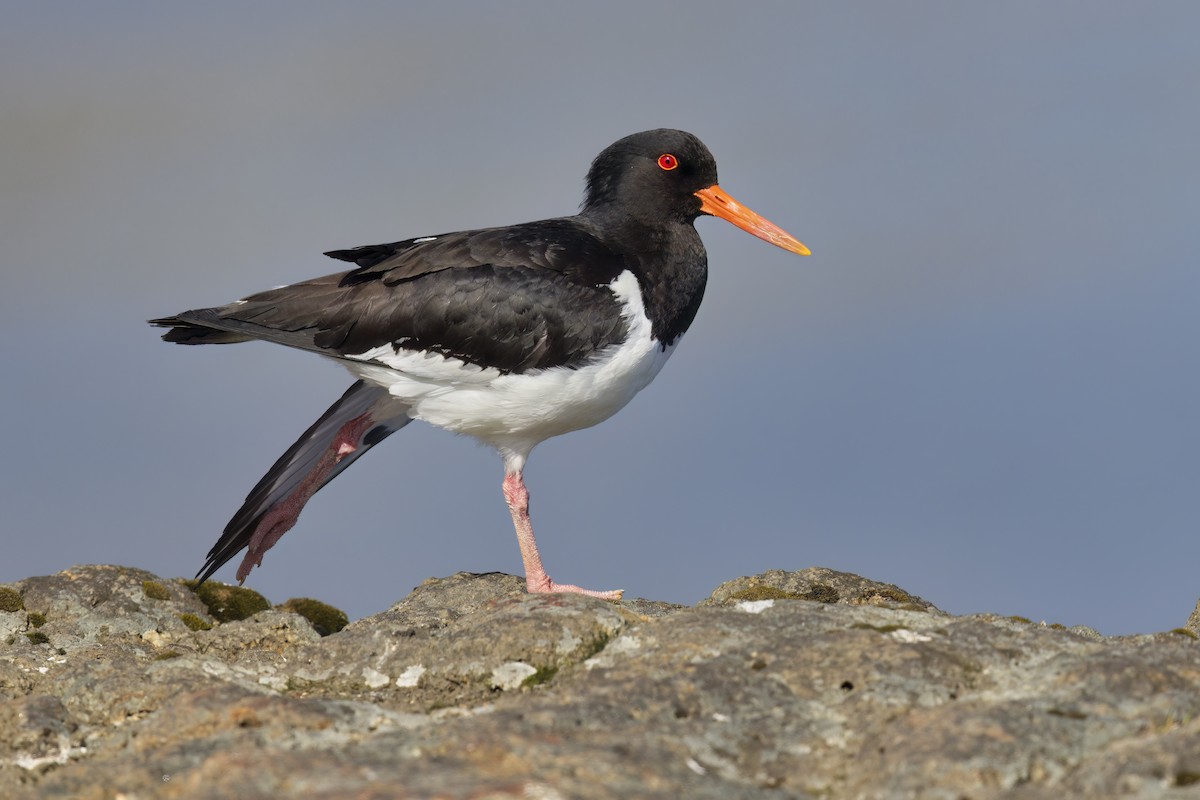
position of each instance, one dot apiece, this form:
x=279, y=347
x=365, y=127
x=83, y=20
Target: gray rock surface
x=807, y=684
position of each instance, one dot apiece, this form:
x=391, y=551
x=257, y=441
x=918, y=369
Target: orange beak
x=715, y=201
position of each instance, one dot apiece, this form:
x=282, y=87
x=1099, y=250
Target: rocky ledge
x=115, y=683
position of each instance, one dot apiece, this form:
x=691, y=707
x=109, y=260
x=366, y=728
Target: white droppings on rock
x=60, y=755
x=511, y=675
x=374, y=678
x=411, y=676
x=755, y=606
x=696, y=767
x=909, y=637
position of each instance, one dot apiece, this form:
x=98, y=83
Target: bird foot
x=547, y=586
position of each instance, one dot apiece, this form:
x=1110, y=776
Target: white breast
x=513, y=413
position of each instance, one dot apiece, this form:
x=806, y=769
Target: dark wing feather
x=524, y=297
x=289, y=472
x=561, y=245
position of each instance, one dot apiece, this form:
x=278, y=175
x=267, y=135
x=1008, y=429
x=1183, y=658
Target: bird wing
x=523, y=297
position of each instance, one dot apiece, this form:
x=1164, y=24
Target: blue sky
x=982, y=386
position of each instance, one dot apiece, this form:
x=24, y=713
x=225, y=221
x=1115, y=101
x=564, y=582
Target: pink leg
x=536, y=579
x=280, y=518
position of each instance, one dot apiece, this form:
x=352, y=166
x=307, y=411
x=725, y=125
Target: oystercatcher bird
x=510, y=335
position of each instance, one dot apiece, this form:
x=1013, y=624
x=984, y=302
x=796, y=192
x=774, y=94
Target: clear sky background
x=982, y=386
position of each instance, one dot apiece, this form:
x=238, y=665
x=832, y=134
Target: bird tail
x=364, y=416
x=190, y=328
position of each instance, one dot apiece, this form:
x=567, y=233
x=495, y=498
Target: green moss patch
x=195, y=623
x=10, y=599
x=227, y=603
x=37, y=637
x=543, y=675
x=325, y=618
x=894, y=594
x=760, y=592
x=879, y=628
x=155, y=590
x=595, y=645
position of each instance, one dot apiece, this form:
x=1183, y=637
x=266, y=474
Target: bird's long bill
x=716, y=201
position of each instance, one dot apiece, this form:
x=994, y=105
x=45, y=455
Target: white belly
x=513, y=413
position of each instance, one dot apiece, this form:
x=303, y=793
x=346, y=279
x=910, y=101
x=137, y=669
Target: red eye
x=668, y=161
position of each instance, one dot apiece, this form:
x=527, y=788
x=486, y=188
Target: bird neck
x=665, y=255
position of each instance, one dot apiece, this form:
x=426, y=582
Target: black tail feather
x=187, y=332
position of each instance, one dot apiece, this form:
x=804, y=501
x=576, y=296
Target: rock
x=786, y=684
x=820, y=585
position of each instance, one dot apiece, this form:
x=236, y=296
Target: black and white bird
x=511, y=335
